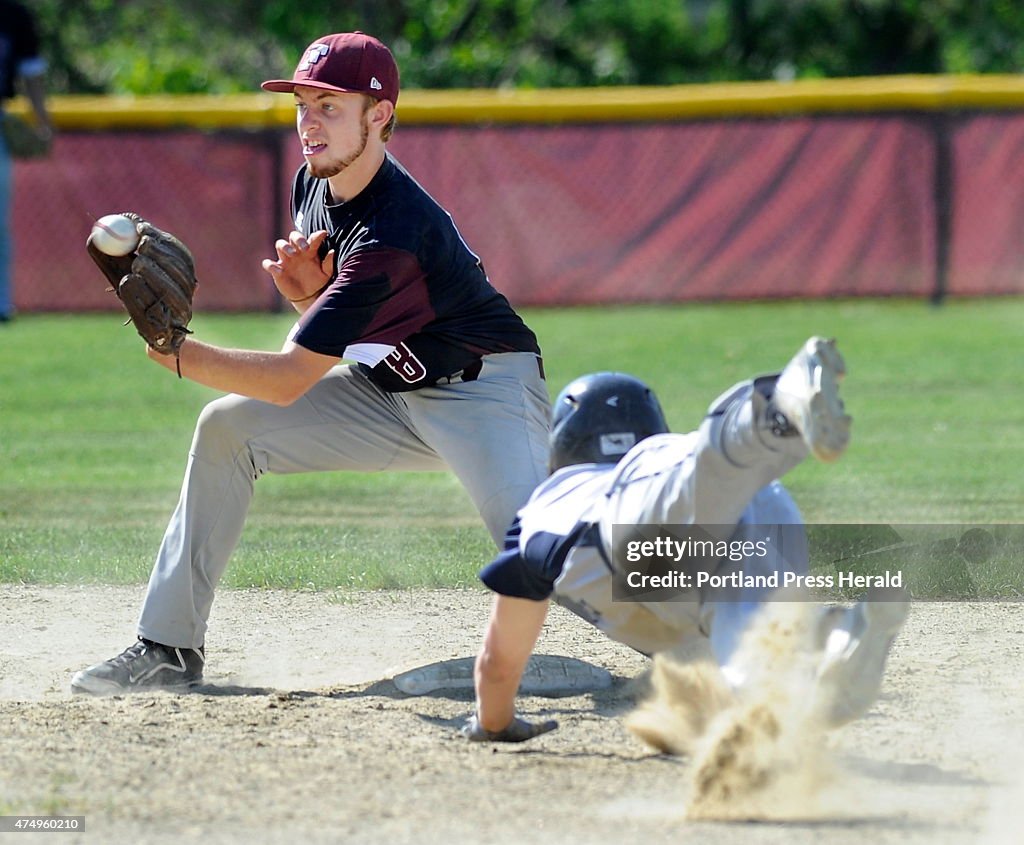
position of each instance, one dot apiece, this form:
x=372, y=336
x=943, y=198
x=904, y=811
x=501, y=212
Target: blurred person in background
x=20, y=62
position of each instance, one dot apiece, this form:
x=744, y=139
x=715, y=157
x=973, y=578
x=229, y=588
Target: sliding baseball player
x=615, y=466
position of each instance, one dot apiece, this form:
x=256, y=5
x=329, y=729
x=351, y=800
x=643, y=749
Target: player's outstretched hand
x=299, y=272
x=518, y=730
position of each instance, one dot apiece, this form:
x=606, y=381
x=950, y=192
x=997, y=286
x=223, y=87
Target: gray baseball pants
x=491, y=432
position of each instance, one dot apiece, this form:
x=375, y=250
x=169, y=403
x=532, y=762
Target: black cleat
x=142, y=667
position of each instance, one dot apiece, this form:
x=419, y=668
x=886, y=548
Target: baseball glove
x=155, y=283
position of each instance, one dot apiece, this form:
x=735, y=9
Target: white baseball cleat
x=807, y=395
x=850, y=674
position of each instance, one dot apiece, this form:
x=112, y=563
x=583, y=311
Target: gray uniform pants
x=491, y=432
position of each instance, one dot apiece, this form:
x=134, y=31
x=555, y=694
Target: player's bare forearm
x=512, y=632
x=277, y=377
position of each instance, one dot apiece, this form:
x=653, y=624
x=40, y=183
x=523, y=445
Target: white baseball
x=115, y=234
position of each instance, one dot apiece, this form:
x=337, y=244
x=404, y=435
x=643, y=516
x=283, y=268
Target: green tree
x=150, y=46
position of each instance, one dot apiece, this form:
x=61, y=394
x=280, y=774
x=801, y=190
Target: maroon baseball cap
x=352, y=62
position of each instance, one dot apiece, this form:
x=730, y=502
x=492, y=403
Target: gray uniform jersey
x=723, y=475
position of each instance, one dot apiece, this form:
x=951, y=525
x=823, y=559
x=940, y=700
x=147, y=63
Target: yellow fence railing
x=563, y=105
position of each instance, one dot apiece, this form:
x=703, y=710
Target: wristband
x=311, y=296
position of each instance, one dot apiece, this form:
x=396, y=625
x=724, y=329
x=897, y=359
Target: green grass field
x=93, y=437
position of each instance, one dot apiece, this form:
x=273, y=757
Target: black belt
x=472, y=372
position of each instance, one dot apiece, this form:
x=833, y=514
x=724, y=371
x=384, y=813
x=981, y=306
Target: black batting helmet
x=599, y=417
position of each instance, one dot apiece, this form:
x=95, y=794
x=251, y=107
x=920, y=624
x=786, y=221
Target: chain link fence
x=876, y=202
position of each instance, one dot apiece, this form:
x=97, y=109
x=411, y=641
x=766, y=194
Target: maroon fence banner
x=987, y=187
x=702, y=211
x=219, y=192
x=893, y=204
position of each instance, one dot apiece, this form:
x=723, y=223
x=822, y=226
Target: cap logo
x=375, y=84
x=314, y=54
x=616, y=443
x=613, y=401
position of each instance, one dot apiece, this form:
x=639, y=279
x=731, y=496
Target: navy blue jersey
x=409, y=300
x=18, y=42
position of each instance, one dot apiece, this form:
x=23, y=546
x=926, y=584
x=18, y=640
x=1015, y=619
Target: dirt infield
x=300, y=737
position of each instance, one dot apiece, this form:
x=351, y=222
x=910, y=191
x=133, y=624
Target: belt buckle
x=470, y=373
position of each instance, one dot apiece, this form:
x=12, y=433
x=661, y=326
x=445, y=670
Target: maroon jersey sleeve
x=377, y=297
